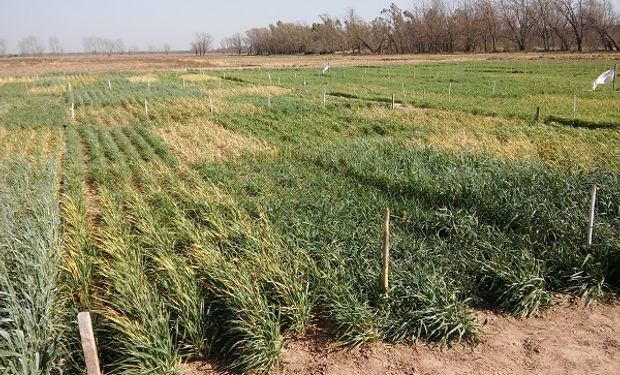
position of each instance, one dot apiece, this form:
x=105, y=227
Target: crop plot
x=245, y=207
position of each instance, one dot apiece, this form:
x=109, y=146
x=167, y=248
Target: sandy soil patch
x=566, y=339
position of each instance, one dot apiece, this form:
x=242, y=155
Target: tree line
x=437, y=27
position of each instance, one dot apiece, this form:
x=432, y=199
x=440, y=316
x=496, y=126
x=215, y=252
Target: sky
x=141, y=23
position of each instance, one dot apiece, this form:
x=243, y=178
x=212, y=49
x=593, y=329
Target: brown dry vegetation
x=22, y=66
x=205, y=140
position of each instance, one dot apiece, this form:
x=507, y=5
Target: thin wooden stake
x=450, y=90
x=220, y=82
x=423, y=93
x=70, y=89
x=324, y=97
x=404, y=92
x=393, y=101
x=210, y=104
x=89, y=346
x=269, y=75
x=537, y=114
x=269, y=101
x=613, y=82
x=304, y=82
x=183, y=82
x=575, y=106
x=109, y=85
x=146, y=108
x=278, y=81
x=386, y=251
x=72, y=111
x=592, y=210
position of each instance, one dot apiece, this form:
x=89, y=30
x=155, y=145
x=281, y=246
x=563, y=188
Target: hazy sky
x=142, y=23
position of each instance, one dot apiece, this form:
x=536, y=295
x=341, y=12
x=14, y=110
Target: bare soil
x=569, y=338
x=21, y=66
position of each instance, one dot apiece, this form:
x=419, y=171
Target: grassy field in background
x=246, y=207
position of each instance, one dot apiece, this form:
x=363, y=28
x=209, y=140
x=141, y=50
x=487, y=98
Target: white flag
x=326, y=68
x=606, y=77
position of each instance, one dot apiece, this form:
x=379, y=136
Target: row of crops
x=238, y=215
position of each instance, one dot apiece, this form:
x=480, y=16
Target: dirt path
x=567, y=339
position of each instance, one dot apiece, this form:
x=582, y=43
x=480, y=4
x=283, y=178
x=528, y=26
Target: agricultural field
x=215, y=215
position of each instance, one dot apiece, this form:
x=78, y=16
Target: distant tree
x=2, y=47
x=490, y=23
x=95, y=44
x=575, y=14
x=166, y=48
x=519, y=20
x=602, y=18
x=30, y=45
x=202, y=43
x=54, y=46
x=236, y=43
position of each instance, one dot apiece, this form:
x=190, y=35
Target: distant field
x=245, y=208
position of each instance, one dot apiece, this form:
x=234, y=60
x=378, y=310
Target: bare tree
x=490, y=23
x=95, y=44
x=574, y=13
x=166, y=48
x=602, y=18
x=433, y=26
x=202, y=43
x=30, y=45
x=54, y=46
x=519, y=20
x=2, y=47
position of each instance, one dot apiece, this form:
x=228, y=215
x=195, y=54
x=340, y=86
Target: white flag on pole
x=606, y=77
x=326, y=68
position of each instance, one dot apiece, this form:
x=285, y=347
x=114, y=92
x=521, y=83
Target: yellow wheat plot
x=205, y=140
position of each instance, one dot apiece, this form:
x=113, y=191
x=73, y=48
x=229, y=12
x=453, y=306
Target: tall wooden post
x=386, y=250
x=592, y=211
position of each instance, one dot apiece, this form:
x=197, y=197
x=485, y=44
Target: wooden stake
x=183, y=82
x=220, y=82
x=386, y=250
x=575, y=106
x=423, y=93
x=278, y=81
x=404, y=92
x=304, y=82
x=450, y=90
x=269, y=75
x=89, y=345
x=269, y=101
x=109, y=85
x=537, y=114
x=613, y=82
x=210, y=104
x=592, y=210
x=70, y=90
x=146, y=108
x=72, y=111
x=393, y=101
x=324, y=97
